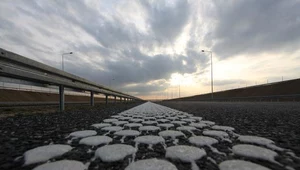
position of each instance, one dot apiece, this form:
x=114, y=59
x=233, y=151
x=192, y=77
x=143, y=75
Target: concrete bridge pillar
x=106, y=99
x=61, y=98
x=92, y=99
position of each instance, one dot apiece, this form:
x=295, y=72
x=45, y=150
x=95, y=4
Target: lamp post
x=62, y=60
x=212, y=80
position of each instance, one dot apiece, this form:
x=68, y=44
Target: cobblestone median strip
x=151, y=136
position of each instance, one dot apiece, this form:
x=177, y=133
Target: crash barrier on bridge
x=16, y=66
x=38, y=89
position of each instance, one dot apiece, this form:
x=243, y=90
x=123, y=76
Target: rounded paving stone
x=149, y=128
x=188, y=120
x=118, y=123
x=150, y=139
x=256, y=152
x=149, y=118
x=151, y=164
x=44, y=153
x=136, y=120
x=202, y=140
x=131, y=125
x=197, y=118
x=165, y=125
x=255, y=140
x=185, y=153
x=62, y=165
x=240, y=165
x=115, y=152
x=137, y=116
x=83, y=133
x=110, y=120
x=127, y=133
x=186, y=128
x=116, y=116
x=198, y=125
x=150, y=122
x=125, y=118
x=163, y=120
x=224, y=128
x=208, y=122
x=95, y=140
x=172, y=118
x=170, y=133
x=178, y=122
x=216, y=133
x=112, y=128
x=101, y=125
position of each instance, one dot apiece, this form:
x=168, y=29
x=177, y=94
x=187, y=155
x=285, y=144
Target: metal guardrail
x=15, y=104
x=32, y=88
x=16, y=66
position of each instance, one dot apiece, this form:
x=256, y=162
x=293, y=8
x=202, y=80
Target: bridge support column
x=115, y=99
x=120, y=99
x=106, y=99
x=61, y=98
x=92, y=99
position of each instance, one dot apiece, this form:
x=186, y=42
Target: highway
x=206, y=136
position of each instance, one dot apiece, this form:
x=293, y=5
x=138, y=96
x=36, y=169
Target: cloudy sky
x=150, y=48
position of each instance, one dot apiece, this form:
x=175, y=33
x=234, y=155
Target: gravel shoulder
x=278, y=121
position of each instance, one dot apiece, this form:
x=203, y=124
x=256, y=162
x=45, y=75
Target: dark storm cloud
x=131, y=65
x=167, y=20
x=122, y=42
x=256, y=26
x=146, y=88
x=117, y=55
x=141, y=69
x=127, y=53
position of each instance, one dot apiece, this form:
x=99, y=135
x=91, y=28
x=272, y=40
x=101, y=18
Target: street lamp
x=62, y=59
x=212, y=80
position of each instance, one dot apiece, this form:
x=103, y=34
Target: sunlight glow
x=179, y=79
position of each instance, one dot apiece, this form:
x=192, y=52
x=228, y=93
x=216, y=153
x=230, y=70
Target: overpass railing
x=16, y=66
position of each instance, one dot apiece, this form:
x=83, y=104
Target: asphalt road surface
x=152, y=136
